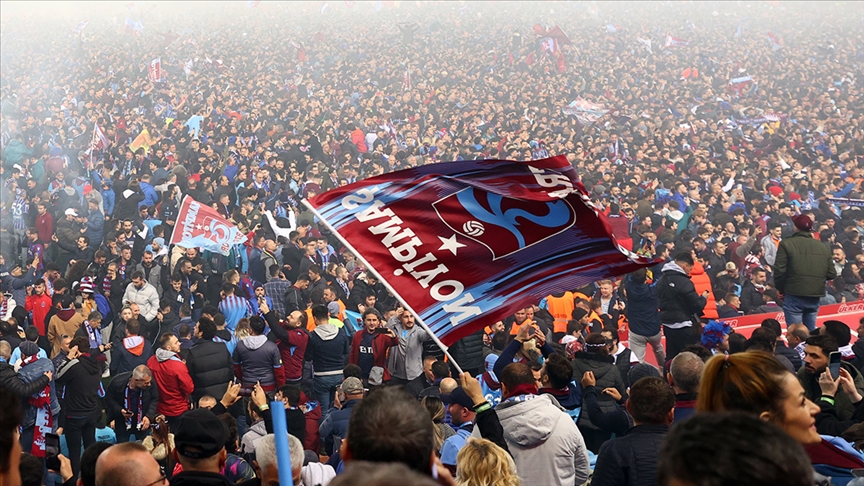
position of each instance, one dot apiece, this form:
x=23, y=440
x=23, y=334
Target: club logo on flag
x=501, y=224
x=201, y=226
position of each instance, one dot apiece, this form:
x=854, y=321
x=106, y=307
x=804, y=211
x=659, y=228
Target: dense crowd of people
x=722, y=141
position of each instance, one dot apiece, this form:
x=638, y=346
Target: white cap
x=71, y=212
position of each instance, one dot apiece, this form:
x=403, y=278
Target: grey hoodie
x=547, y=447
x=164, y=354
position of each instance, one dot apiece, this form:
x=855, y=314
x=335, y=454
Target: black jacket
x=751, y=298
x=783, y=350
x=211, y=368
x=196, y=478
x=10, y=381
x=115, y=399
x=81, y=378
x=335, y=426
x=468, y=352
x=677, y=296
x=417, y=385
x=630, y=460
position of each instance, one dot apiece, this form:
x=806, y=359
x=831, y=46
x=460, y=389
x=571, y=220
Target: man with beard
x=816, y=352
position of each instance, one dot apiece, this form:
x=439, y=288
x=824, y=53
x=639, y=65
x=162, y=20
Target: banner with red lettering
x=465, y=244
x=200, y=226
x=848, y=314
x=155, y=70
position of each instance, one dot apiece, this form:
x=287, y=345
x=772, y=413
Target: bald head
x=448, y=385
x=796, y=334
x=128, y=463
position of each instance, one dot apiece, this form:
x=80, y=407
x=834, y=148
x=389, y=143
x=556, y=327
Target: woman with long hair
x=482, y=463
x=435, y=407
x=755, y=382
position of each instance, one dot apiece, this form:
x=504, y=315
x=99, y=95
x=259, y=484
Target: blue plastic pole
x=283, y=454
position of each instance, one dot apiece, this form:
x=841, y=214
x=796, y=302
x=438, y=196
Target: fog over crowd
x=724, y=140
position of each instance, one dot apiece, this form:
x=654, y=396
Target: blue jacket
x=150, y=195
x=336, y=425
x=31, y=373
x=108, y=198
x=95, y=228
x=642, y=308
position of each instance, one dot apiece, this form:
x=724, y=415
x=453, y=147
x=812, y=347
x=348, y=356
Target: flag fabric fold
x=200, y=226
x=672, y=41
x=585, y=111
x=468, y=243
x=79, y=27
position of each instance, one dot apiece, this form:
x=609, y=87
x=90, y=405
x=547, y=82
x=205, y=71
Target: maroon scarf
x=44, y=420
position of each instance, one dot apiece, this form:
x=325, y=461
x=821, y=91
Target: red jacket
x=45, y=226
x=381, y=344
x=174, y=383
x=293, y=353
x=39, y=305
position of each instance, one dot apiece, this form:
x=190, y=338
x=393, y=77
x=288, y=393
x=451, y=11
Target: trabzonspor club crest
x=502, y=224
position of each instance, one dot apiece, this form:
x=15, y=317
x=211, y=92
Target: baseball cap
x=200, y=434
x=458, y=396
x=352, y=386
x=730, y=266
x=71, y=212
x=803, y=222
x=333, y=308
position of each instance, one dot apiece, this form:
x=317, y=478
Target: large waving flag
x=467, y=243
x=133, y=27
x=200, y=226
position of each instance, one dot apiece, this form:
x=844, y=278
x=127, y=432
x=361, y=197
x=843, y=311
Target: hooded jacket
x=328, y=347
x=677, y=296
x=134, y=351
x=607, y=376
x=79, y=380
x=10, y=380
x=258, y=360
x=173, y=380
x=210, y=367
x=546, y=445
x=65, y=321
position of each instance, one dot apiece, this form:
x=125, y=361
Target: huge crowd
x=726, y=146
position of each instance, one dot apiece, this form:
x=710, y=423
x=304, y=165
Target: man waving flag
x=467, y=243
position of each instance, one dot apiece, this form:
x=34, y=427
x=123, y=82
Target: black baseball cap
x=458, y=396
x=200, y=434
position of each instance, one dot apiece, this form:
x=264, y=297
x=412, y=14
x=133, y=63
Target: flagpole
x=386, y=284
x=93, y=147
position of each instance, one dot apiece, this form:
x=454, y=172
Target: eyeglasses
x=162, y=479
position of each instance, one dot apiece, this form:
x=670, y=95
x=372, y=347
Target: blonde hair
x=243, y=330
x=482, y=463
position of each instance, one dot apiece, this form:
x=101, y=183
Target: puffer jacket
x=211, y=368
x=607, y=376
x=468, y=352
x=802, y=266
x=632, y=459
x=677, y=296
x=701, y=283
x=546, y=445
x=10, y=380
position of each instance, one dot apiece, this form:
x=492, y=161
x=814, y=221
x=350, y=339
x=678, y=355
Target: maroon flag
x=155, y=70
x=200, y=226
x=406, y=81
x=467, y=243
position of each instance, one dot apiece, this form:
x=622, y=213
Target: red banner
x=155, y=70
x=200, y=226
x=848, y=314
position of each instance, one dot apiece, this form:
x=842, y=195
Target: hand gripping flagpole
x=386, y=284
